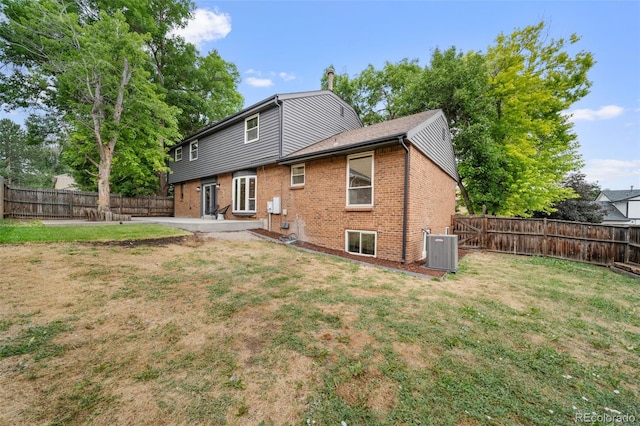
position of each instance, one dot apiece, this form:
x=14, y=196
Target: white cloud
x=259, y=82
x=206, y=25
x=607, y=171
x=287, y=76
x=252, y=71
x=604, y=113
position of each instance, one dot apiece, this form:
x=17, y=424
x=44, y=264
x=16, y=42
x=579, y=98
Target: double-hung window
x=178, y=154
x=361, y=242
x=360, y=180
x=193, y=151
x=244, y=194
x=297, y=175
x=252, y=128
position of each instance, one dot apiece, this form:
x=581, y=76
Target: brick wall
x=187, y=201
x=317, y=212
x=432, y=202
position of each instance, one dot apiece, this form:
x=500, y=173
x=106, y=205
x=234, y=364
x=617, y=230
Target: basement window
x=361, y=242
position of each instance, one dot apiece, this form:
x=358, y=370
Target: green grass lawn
x=257, y=333
x=34, y=231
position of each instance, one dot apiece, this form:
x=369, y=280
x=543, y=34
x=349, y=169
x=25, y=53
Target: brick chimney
x=330, y=74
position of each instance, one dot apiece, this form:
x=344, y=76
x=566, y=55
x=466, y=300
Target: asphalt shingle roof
x=621, y=194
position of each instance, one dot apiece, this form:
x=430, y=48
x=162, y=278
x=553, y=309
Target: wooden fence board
x=584, y=242
x=28, y=203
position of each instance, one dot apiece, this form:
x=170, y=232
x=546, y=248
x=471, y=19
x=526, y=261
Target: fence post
x=1, y=197
x=627, y=242
x=544, y=237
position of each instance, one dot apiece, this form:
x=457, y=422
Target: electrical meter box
x=442, y=252
x=274, y=206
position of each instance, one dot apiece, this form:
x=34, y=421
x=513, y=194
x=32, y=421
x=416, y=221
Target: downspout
x=280, y=131
x=405, y=209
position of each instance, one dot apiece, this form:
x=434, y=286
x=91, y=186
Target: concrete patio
x=203, y=225
x=188, y=224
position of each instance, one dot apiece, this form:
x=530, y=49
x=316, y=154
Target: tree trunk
x=465, y=196
x=163, y=185
x=107, y=149
x=104, y=185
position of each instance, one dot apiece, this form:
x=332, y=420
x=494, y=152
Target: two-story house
x=304, y=163
x=622, y=206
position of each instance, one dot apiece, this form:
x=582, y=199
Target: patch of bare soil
x=414, y=267
x=183, y=239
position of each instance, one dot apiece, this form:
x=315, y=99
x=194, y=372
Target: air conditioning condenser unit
x=442, y=252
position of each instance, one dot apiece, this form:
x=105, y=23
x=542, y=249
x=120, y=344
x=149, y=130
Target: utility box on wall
x=442, y=252
x=274, y=206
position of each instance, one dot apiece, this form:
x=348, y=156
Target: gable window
x=252, y=128
x=244, y=194
x=361, y=242
x=297, y=175
x=360, y=180
x=178, y=154
x=193, y=151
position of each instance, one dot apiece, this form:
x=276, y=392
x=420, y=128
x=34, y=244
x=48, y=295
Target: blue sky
x=284, y=46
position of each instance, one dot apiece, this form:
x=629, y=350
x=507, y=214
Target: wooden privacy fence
x=27, y=203
x=584, y=242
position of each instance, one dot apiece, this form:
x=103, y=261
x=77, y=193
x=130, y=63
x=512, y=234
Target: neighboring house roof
x=253, y=109
x=612, y=213
x=619, y=194
x=378, y=135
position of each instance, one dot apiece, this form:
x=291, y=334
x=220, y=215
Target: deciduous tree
x=92, y=71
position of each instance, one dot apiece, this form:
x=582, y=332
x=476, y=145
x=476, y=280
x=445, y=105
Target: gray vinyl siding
x=225, y=151
x=310, y=119
x=429, y=139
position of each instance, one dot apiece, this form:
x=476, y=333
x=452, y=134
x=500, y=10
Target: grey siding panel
x=429, y=139
x=225, y=150
x=308, y=120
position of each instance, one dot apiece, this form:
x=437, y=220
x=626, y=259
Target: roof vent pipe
x=330, y=75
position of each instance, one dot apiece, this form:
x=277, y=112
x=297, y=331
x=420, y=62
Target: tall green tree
x=533, y=80
x=93, y=73
x=204, y=88
x=457, y=83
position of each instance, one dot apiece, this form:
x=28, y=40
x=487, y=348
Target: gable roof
x=380, y=135
x=253, y=109
x=620, y=194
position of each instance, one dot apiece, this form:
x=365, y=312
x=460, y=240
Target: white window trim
x=191, y=156
x=246, y=200
x=304, y=174
x=178, y=154
x=375, y=245
x=360, y=155
x=246, y=131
